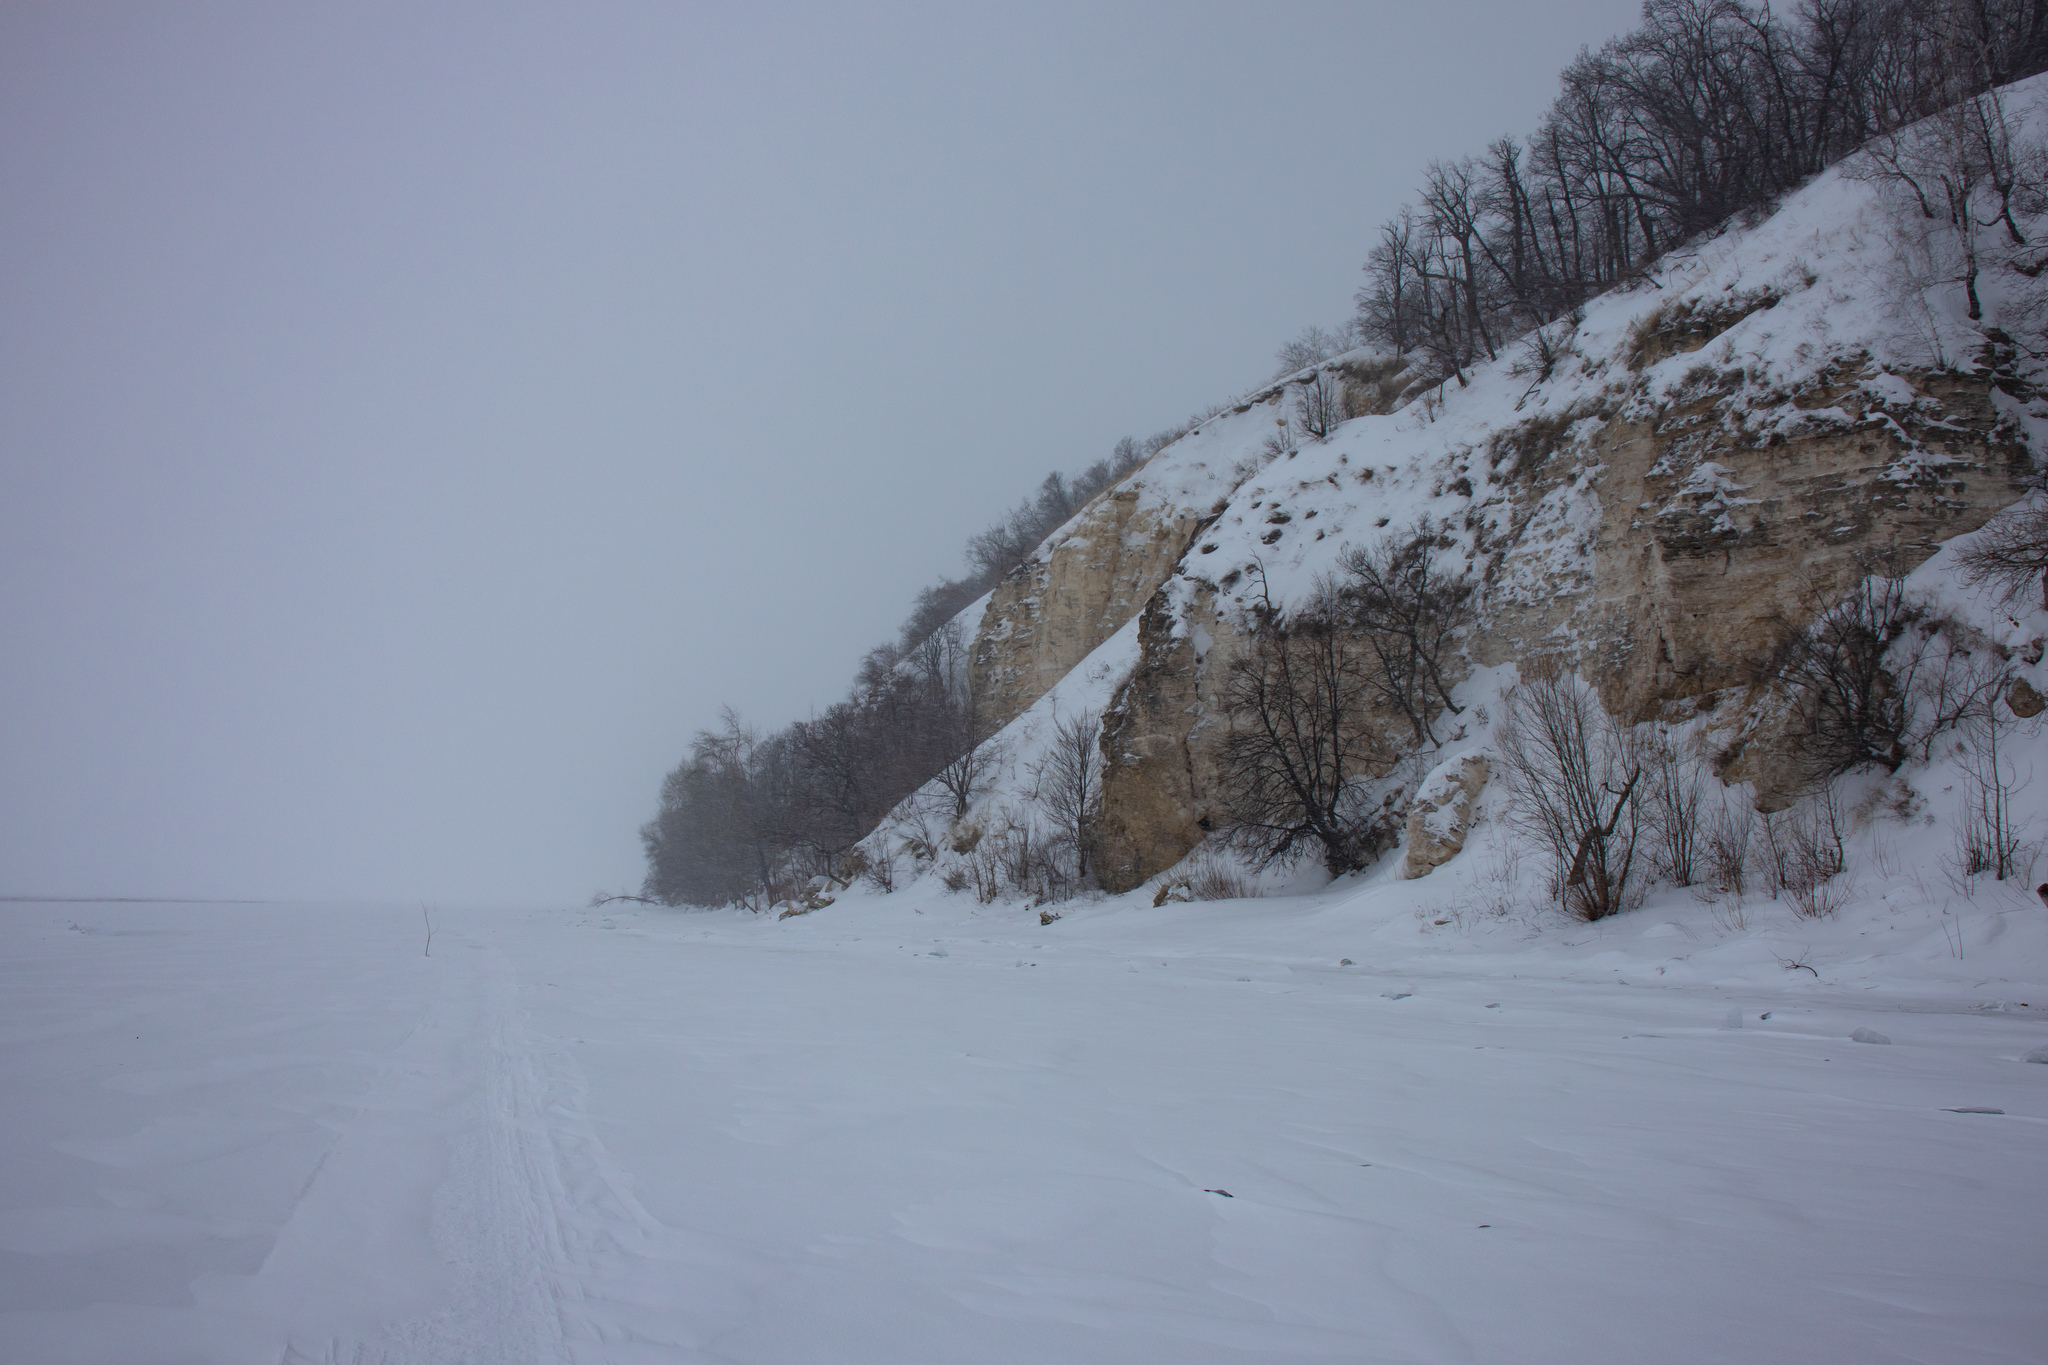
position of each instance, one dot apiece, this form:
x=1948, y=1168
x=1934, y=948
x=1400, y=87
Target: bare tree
x=1849, y=708
x=1319, y=407
x=1312, y=346
x=1710, y=108
x=1963, y=171
x=2011, y=553
x=1068, y=782
x=1299, y=743
x=719, y=836
x=1407, y=610
x=1574, y=779
x=974, y=759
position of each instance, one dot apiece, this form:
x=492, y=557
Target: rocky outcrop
x=1716, y=533
x=1653, y=492
x=1104, y=567
x=1704, y=538
x=1162, y=736
x=1441, y=815
x=1051, y=611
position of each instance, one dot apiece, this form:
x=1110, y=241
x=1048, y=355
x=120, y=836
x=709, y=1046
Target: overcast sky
x=417, y=419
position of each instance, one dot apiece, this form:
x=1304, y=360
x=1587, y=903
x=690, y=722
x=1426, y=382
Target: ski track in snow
x=535, y=1220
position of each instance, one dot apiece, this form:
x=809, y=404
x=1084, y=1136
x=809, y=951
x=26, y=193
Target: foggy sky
x=416, y=420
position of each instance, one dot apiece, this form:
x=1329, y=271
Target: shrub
x=1574, y=780
x=1802, y=853
x=2011, y=554
x=1725, y=843
x=1675, y=790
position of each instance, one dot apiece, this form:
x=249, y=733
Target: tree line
x=749, y=818
x=1710, y=109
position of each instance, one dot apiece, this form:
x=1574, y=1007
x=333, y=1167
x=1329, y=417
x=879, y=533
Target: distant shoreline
x=129, y=900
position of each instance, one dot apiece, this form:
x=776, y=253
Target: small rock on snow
x=1868, y=1035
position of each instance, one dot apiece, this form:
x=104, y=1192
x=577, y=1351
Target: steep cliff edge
x=1697, y=463
x=1100, y=569
x=1052, y=610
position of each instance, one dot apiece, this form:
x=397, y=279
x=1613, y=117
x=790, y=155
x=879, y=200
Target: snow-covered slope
x=1647, y=492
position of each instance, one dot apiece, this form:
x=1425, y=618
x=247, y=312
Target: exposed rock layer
x=1709, y=540
x=1441, y=815
x=1049, y=612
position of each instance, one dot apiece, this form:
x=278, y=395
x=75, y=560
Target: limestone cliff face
x=1051, y=611
x=1103, y=567
x=1162, y=735
x=1701, y=542
x=1679, y=474
x=1711, y=537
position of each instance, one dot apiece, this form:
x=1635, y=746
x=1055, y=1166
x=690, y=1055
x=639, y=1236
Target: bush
x=1212, y=879
x=1397, y=599
x=1988, y=836
x=1803, y=853
x=1206, y=877
x=1675, y=791
x=1877, y=674
x=1725, y=843
x=1848, y=709
x=2011, y=554
x=1574, y=780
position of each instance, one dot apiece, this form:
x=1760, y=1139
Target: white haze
x=416, y=420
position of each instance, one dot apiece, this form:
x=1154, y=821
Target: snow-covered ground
x=916, y=1129
x=1422, y=1121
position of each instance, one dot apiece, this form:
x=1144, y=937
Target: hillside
x=1649, y=493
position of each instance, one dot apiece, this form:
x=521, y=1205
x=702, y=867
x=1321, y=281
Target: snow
x=911, y=1128
x=1386, y=1120
x=1831, y=303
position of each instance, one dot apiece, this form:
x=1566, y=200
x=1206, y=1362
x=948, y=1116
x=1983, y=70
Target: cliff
x=1652, y=495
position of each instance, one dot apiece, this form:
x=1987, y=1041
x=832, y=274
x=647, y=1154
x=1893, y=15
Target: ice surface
x=281, y=1133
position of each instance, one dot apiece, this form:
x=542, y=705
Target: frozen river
x=901, y=1131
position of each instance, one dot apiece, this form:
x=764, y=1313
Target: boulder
x=1441, y=815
